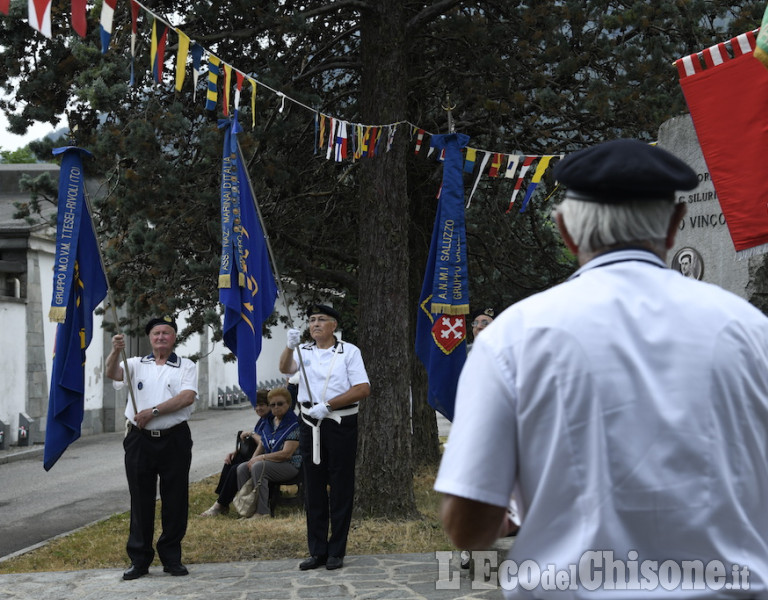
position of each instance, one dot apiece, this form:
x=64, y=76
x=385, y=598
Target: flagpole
x=126, y=372
x=274, y=269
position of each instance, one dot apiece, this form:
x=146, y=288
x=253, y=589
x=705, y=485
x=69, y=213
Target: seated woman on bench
x=276, y=458
x=227, y=487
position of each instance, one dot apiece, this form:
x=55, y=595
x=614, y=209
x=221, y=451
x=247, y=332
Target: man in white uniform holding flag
x=337, y=380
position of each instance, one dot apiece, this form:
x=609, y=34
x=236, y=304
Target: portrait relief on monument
x=688, y=262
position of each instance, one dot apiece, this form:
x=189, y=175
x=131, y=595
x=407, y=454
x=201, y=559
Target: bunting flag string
x=344, y=140
x=317, y=129
x=331, y=138
x=225, y=86
x=392, y=129
x=157, y=50
x=527, y=162
x=536, y=179
x=341, y=142
x=513, y=161
x=486, y=156
x=213, y=82
x=197, y=58
x=253, y=101
x=495, y=165
x=134, y=35
x=79, y=21
x=469, y=160
x=321, y=134
x=40, y=16
x=181, y=59
x=419, y=140
x=105, y=23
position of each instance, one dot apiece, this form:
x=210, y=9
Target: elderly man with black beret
x=158, y=445
x=480, y=320
x=629, y=405
x=328, y=433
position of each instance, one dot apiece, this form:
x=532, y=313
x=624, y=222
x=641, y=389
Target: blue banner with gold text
x=441, y=325
x=249, y=298
x=85, y=289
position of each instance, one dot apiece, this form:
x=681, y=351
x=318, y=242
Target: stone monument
x=703, y=248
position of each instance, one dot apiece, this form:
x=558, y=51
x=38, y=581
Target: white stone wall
x=13, y=378
x=44, y=251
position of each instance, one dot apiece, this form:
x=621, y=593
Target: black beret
x=620, y=170
x=166, y=320
x=486, y=312
x=322, y=309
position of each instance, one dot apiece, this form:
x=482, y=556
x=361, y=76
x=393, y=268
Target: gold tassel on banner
x=57, y=314
x=225, y=281
x=449, y=309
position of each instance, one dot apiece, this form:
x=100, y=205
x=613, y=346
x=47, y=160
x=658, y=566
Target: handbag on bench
x=244, y=448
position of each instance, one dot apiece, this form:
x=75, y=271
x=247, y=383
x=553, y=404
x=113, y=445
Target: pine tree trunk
x=384, y=468
x=426, y=443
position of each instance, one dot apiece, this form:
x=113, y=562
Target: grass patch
x=229, y=539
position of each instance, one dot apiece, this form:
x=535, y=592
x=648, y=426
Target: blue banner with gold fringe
x=249, y=297
x=441, y=327
x=87, y=288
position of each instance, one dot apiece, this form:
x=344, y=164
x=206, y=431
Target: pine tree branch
x=335, y=6
x=429, y=13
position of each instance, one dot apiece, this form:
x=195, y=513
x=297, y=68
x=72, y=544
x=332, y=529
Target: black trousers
x=227, y=487
x=148, y=460
x=338, y=451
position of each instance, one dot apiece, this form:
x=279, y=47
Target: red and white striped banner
x=717, y=54
x=726, y=88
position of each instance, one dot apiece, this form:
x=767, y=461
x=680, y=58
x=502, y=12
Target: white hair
x=594, y=226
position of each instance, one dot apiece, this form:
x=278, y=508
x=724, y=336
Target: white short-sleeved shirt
x=341, y=366
x=630, y=407
x=153, y=384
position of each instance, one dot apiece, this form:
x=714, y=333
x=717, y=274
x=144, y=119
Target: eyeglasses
x=481, y=324
x=319, y=320
x=274, y=404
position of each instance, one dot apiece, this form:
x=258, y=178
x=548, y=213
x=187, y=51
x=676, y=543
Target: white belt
x=342, y=412
x=335, y=415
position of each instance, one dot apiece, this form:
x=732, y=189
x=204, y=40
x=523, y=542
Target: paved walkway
x=407, y=576
x=16, y=453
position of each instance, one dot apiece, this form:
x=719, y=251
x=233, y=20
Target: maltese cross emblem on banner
x=449, y=331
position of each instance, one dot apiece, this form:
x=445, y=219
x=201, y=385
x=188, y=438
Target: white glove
x=319, y=411
x=294, y=337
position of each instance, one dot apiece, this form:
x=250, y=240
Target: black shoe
x=334, y=562
x=134, y=572
x=177, y=570
x=312, y=563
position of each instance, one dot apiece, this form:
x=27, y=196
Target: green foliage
x=18, y=156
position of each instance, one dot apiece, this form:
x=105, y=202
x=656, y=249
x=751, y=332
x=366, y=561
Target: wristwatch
x=155, y=412
x=328, y=406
